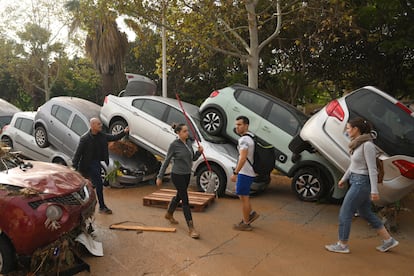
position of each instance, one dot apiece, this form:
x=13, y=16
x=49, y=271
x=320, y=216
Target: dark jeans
x=181, y=182
x=94, y=174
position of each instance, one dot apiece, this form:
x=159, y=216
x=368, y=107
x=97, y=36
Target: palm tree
x=105, y=44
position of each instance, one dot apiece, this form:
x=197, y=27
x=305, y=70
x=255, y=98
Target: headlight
x=54, y=212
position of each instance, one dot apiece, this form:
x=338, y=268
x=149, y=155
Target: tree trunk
x=253, y=57
x=107, y=85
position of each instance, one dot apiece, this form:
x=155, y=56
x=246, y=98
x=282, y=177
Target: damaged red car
x=39, y=203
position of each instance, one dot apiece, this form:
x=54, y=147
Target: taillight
x=106, y=100
x=406, y=168
x=214, y=94
x=334, y=109
x=403, y=107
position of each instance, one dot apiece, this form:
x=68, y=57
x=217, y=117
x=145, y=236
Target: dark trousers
x=181, y=182
x=94, y=174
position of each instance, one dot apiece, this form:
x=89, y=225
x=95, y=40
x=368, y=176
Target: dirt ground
x=288, y=239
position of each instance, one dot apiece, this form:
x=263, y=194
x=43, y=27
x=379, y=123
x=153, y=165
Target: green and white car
x=275, y=122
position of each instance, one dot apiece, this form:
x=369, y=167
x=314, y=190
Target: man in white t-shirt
x=244, y=173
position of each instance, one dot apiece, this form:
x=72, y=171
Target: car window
x=138, y=103
x=283, y=119
x=62, y=114
x=252, y=101
x=78, y=125
x=4, y=120
x=394, y=127
x=153, y=108
x=26, y=125
x=54, y=109
x=176, y=116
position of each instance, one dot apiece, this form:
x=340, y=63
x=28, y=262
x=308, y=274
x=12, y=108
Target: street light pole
x=164, y=52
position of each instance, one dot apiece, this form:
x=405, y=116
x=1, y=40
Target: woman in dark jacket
x=182, y=155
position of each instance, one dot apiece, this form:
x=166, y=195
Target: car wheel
x=6, y=140
x=105, y=181
x=7, y=256
x=59, y=161
x=309, y=184
x=41, y=137
x=212, y=121
x=117, y=127
x=216, y=177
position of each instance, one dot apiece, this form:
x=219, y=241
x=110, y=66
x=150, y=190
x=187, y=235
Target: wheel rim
x=308, y=186
x=117, y=129
x=7, y=141
x=206, y=177
x=211, y=121
x=40, y=137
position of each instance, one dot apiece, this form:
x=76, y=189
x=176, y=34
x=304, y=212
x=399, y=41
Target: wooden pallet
x=161, y=198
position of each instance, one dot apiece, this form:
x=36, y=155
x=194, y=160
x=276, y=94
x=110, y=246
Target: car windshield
x=394, y=126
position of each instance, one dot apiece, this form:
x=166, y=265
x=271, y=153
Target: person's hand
x=126, y=130
x=341, y=184
x=375, y=197
x=200, y=148
x=159, y=182
x=233, y=178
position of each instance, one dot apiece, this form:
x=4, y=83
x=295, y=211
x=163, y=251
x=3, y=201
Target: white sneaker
x=338, y=248
x=385, y=246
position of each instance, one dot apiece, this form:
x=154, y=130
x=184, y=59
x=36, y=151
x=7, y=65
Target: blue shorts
x=243, y=184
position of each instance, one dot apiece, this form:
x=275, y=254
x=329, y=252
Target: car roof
x=87, y=108
x=25, y=114
x=273, y=99
x=7, y=108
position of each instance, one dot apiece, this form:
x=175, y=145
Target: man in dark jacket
x=92, y=149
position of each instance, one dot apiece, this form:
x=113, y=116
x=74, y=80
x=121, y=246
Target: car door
x=147, y=125
x=172, y=116
x=278, y=129
x=58, y=125
x=248, y=104
x=78, y=127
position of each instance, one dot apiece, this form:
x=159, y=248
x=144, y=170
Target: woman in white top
x=362, y=178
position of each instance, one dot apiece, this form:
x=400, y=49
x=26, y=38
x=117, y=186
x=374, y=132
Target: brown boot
x=171, y=218
x=193, y=233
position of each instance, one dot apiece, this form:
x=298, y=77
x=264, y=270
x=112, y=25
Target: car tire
x=309, y=184
x=6, y=140
x=117, y=127
x=7, y=256
x=59, y=161
x=105, y=181
x=216, y=174
x=41, y=137
x=212, y=121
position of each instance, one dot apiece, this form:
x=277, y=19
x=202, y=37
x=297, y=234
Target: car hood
x=44, y=178
x=227, y=149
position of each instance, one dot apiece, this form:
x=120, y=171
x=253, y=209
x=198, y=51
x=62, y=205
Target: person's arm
x=167, y=160
x=78, y=153
x=370, y=159
x=114, y=137
x=242, y=160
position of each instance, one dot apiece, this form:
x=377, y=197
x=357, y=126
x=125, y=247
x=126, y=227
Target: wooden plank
x=142, y=228
x=161, y=198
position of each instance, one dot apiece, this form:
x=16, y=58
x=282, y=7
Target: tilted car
x=39, y=204
x=276, y=122
x=150, y=118
x=6, y=113
x=61, y=122
x=393, y=125
x=138, y=85
x=19, y=136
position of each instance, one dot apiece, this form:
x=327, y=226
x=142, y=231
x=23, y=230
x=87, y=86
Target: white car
x=150, y=118
x=19, y=136
x=393, y=124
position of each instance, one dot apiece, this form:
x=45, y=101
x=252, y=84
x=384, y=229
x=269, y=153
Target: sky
x=12, y=21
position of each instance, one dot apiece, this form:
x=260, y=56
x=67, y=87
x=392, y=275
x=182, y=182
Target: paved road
x=288, y=239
